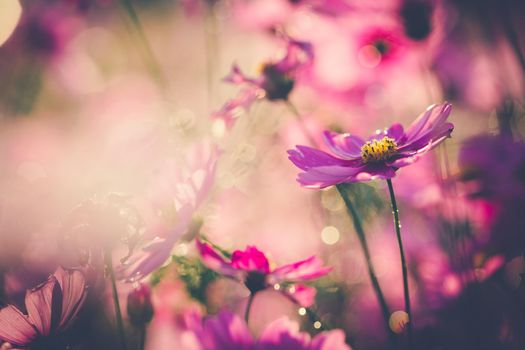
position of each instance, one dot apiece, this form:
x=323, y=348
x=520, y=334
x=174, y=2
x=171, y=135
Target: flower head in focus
x=229, y=331
x=251, y=267
x=353, y=159
x=51, y=309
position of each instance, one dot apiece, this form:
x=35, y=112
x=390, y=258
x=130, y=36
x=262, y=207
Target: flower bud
x=140, y=309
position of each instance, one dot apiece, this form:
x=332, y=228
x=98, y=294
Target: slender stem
x=210, y=34
x=248, y=307
x=356, y=219
x=397, y=225
x=142, y=336
x=300, y=122
x=149, y=58
x=314, y=317
x=118, y=313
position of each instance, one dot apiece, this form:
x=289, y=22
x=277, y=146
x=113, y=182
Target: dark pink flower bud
x=140, y=309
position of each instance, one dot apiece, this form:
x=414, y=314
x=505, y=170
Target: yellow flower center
x=378, y=150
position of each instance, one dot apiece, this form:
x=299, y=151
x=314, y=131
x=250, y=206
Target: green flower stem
x=300, y=122
x=371, y=271
x=314, y=317
x=397, y=225
x=118, y=313
x=148, y=56
x=248, y=307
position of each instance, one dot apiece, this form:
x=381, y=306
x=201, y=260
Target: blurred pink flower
x=252, y=268
x=179, y=195
x=276, y=81
x=377, y=158
x=228, y=331
x=51, y=308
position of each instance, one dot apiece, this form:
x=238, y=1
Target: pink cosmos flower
x=180, y=194
x=275, y=82
x=51, y=308
x=229, y=331
x=353, y=159
x=251, y=267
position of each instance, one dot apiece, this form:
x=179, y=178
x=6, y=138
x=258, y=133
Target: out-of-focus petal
x=73, y=285
x=301, y=294
x=15, y=327
x=213, y=260
x=330, y=340
x=226, y=331
x=251, y=259
x=44, y=305
x=283, y=334
x=302, y=270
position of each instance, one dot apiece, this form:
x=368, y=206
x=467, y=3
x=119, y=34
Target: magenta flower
x=353, y=159
x=51, y=308
x=229, y=331
x=252, y=268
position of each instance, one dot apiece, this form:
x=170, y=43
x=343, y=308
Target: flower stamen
x=378, y=150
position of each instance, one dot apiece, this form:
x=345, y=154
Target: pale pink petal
x=213, y=260
x=330, y=340
x=15, y=327
x=300, y=271
x=226, y=331
x=301, y=294
x=73, y=284
x=43, y=306
x=283, y=334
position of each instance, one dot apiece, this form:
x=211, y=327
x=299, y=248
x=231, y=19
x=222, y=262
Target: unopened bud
x=140, y=309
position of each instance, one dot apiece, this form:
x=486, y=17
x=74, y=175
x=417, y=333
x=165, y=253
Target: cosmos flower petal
x=396, y=131
x=330, y=340
x=15, y=327
x=305, y=157
x=301, y=294
x=237, y=77
x=251, y=259
x=283, y=334
x=226, y=331
x=213, y=260
x=307, y=269
x=344, y=145
x=43, y=305
x=433, y=136
x=73, y=285
x=325, y=176
x=432, y=117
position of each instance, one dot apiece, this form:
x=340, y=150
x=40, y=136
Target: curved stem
x=300, y=122
x=145, y=48
x=248, y=307
x=356, y=219
x=118, y=313
x=406, y=293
